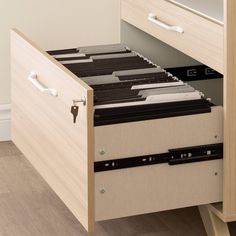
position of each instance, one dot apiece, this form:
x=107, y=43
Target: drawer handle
x=33, y=78
x=153, y=18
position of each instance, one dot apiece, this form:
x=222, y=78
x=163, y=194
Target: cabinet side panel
x=229, y=202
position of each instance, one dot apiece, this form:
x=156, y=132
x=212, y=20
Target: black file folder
x=150, y=111
x=128, y=87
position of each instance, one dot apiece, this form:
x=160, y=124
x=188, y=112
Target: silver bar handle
x=153, y=18
x=33, y=78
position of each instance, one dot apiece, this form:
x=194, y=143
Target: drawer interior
x=140, y=108
x=201, y=77
x=128, y=87
x=145, y=150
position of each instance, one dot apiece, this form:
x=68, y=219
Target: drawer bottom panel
x=140, y=190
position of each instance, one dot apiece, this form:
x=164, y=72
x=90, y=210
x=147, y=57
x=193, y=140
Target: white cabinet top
x=211, y=9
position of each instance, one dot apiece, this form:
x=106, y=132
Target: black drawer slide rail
x=172, y=157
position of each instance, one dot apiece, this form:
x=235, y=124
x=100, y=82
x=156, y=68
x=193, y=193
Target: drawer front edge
x=43, y=128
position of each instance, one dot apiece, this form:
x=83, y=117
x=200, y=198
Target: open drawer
x=64, y=153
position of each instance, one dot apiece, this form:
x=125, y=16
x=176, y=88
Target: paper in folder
x=128, y=87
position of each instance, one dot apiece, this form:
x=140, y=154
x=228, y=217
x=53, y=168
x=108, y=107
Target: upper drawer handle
x=153, y=18
x=34, y=80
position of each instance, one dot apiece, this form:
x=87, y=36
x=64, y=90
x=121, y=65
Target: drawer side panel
x=160, y=187
x=158, y=135
x=43, y=128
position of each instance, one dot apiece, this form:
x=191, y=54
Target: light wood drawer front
x=43, y=128
x=156, y=188
x=158, y=135
x=202, y=39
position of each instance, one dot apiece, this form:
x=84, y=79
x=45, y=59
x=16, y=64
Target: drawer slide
x=173, y=157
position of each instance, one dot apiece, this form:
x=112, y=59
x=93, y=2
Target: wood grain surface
x=202, y=38
x=29, y=207
x=43, y=128
x=229, y=202
x=158, y=135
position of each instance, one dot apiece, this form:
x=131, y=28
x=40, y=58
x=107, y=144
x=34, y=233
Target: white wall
x=54, y=24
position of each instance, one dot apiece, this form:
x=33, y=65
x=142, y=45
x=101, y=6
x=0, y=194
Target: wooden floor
x=28, y=207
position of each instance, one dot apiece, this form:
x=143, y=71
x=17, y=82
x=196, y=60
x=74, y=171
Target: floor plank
x=28, y=207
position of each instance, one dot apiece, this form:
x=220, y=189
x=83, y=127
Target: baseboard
x=5, y=120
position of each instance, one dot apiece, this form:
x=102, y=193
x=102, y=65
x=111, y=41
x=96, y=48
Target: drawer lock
x=81, y=100
x=75, y=108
